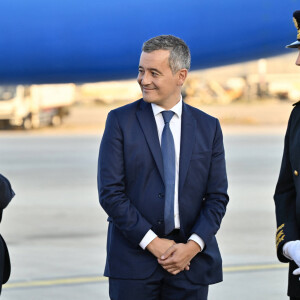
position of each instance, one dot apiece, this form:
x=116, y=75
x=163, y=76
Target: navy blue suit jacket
x=131, y=189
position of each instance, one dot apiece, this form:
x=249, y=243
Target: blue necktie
x=168, y=154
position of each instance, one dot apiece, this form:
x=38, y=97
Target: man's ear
x=182, y=74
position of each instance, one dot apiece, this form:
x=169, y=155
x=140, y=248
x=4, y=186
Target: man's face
x=158, y=84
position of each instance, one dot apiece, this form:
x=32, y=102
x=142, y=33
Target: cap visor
x=293, y=45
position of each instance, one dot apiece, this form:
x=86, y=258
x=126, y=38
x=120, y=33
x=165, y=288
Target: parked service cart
x=35, y=105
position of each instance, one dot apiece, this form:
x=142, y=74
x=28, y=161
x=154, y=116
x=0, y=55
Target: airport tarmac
x=56, y=230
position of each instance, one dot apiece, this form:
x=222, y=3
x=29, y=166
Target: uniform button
x=161, y=195
x=296, y=173
x=160, y=222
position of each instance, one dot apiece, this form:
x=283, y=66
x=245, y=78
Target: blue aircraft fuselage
x=84, y=41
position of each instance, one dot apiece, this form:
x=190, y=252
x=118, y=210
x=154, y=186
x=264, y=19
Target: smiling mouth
x=147, y=89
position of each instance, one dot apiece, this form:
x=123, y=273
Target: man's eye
x=154, y=74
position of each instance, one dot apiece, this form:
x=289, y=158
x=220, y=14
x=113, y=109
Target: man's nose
x=145, y=79
x=298, y=59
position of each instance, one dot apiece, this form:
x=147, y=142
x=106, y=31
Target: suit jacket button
x=296, y=173
x=161, y=195
x=160, y=222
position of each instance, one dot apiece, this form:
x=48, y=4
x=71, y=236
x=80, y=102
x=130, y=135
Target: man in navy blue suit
x=162, y=181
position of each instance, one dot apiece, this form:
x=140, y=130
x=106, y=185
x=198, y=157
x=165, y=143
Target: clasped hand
x=173, y=257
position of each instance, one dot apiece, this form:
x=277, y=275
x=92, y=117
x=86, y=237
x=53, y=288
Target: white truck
x=35, y=105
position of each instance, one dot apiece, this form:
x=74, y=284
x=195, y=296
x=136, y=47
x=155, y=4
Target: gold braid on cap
x=297, y=26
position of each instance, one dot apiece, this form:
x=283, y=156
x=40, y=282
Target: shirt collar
x=177, y=109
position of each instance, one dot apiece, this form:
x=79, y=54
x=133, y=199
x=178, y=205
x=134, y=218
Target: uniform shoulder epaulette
x=296, y=103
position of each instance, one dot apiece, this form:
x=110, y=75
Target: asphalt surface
x=56, y=230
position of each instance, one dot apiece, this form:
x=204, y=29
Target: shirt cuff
x=147, y=239
x=197, y=239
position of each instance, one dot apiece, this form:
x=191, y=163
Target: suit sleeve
x=285, y=199
x=112, y=187
x=6, y=192
x=216, y=198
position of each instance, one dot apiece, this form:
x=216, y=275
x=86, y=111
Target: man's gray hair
x=180, y=56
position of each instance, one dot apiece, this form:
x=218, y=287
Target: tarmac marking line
x=254, y=268
x=81, y=280
x=40, y=283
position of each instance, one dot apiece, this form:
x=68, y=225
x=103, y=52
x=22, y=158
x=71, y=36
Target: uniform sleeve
x=285, y=199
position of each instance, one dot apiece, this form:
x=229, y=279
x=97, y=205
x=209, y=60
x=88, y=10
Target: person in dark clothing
x=287, y=193
x=6, y=194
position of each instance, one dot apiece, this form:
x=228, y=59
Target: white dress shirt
x=175, y=126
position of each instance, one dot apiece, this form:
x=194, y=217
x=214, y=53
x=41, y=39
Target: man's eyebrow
x=151, y=69
x=155, y=70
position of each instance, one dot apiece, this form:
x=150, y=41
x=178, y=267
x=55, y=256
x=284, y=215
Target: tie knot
x=167, y=115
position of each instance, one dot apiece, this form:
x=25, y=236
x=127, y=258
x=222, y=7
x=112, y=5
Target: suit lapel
x=188, y=135
x=148, y=125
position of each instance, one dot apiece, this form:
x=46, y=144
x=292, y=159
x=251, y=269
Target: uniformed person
x=287, y=193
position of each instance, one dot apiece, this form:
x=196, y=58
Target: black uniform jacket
x=287, y=197
x=6, y=194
